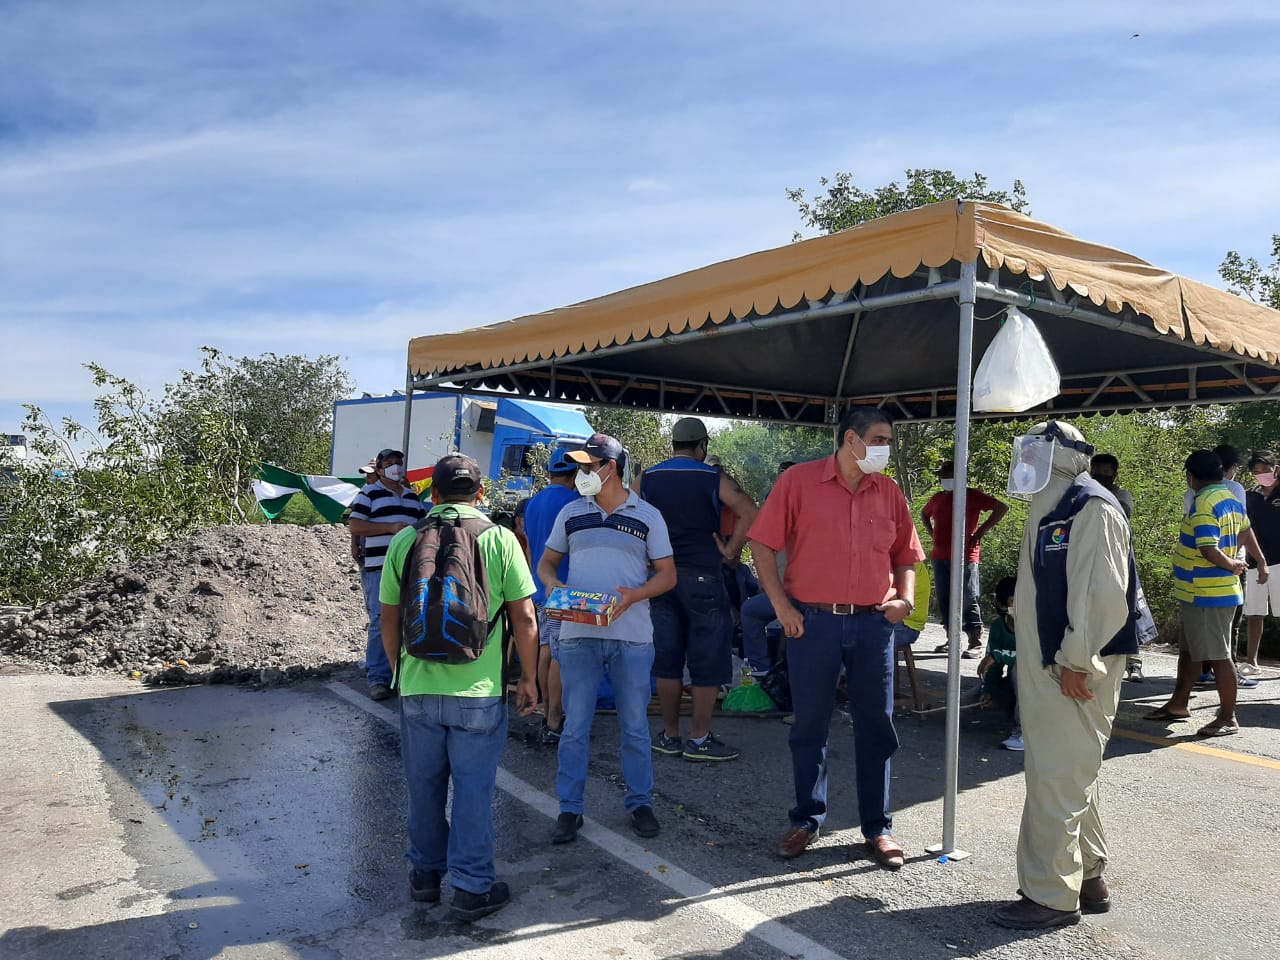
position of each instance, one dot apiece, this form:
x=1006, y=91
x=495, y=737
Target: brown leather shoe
x=1026, y=914
x=886, y=851
x=1094, y=896
x=794, y=841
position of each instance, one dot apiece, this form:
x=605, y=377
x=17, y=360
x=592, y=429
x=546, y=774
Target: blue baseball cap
x=560, y=462
x=598, y=447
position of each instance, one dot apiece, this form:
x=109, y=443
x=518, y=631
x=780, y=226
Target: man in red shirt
x=851, y=552
x=937, y=524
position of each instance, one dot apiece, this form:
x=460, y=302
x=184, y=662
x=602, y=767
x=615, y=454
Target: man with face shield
x=611, y=538
x=1077, y=590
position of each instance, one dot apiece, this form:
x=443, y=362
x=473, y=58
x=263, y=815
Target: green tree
x=843, y=204
x=71, y=516
x=751, y=451
x=285, y=403
x=645, y=434
x=1248, y=278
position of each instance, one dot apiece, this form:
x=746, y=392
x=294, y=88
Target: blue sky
x=319, y=177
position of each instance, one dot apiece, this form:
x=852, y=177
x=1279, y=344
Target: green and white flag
x=331, y=496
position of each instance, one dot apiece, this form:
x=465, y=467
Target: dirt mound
x=230, y=604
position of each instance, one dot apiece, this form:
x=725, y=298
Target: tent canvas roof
x=869, y=315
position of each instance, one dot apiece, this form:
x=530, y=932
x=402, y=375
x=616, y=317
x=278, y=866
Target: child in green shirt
x=998, y=668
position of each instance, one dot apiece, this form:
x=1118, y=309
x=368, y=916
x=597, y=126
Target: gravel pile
x=235, y=604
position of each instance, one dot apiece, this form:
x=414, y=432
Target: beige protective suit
x=1061, y=841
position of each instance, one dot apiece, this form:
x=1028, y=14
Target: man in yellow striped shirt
x=1206, y=572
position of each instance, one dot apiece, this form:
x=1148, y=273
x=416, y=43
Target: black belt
x=842, y=609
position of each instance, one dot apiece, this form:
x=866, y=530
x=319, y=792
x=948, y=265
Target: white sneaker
x=1014, y=743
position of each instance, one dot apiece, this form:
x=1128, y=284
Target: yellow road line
x=1200, y=748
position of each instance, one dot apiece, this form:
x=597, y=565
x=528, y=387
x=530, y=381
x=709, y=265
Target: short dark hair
x=1263, y=458
x=860, y=420
x=1105, y=460
x=681, y=447
x=1205, y=466
x=1005, y=589
x=1228, y=455
x=786, y=465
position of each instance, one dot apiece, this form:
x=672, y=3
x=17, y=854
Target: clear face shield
x=1032, y=462
x=1031, y=465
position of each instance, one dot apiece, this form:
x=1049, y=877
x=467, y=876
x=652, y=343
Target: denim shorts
x=549, y=633
x=692, y=625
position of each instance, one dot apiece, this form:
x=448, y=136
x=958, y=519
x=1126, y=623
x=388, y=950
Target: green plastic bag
x=748, y=699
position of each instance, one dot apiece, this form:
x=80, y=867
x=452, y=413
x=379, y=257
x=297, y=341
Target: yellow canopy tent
x=885, y=314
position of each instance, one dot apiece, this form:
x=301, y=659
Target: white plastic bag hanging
x=1017, y=372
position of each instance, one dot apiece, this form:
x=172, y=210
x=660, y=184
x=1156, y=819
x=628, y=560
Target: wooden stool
x=909, y=658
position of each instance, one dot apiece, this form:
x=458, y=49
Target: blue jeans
x=377, y=666
x=970, y=609
x=757, y=614
x=582, y=664
x=863, y=644
x=459, y=739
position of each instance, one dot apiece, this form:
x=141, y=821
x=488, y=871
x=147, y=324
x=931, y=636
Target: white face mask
x=395, y=472
x=588, y=483
x=948, y=485
x=876, y=460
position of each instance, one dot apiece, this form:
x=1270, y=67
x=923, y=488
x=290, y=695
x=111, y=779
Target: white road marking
x=717, y=900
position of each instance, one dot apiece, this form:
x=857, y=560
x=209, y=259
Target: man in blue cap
x=539, y=517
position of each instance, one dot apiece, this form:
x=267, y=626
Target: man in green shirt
x=453, y=717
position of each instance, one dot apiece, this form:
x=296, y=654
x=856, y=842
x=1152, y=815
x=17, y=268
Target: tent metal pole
x=408, y=415
x=955, y=633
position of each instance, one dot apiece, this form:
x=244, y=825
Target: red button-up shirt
x=842, y=545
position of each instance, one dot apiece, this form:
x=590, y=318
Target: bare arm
x=766, y=558
x=744, y=508
x=1220, y=559
x=391, y=633
x=1254, y=550
x=524, y=630
x=904, y=588
x=549, y=568
x=997, y=514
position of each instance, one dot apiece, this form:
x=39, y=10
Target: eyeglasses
x=592, y=467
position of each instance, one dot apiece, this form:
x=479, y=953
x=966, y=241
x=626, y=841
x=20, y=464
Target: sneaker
x=644, y=823
x=472, y=906
x=942, y=648
x=709, y=749
x=379, y=691
x=1246, y=682
x=1134, y=673
x=1206, y=679
x=1014, y=742
x=668, y=746
x=424, y=885
x=549, y=737
x=972, y=653
x=567, y=826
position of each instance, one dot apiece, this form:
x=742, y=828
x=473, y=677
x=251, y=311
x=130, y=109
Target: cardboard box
x=595, y=607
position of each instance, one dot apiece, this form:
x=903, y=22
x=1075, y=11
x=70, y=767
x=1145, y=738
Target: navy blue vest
x=687, y=493
x=1049, y=569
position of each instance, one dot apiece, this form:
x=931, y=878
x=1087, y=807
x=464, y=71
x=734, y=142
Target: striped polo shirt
x=1217, y=520
x=379, y=505
x=607, y=551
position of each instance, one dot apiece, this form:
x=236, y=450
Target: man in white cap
x=1075, y=610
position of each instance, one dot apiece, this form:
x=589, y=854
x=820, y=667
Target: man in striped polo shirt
x=380, y=511
x=1206, y=572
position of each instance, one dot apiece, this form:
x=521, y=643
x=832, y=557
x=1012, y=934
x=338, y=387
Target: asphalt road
x=232, y=823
